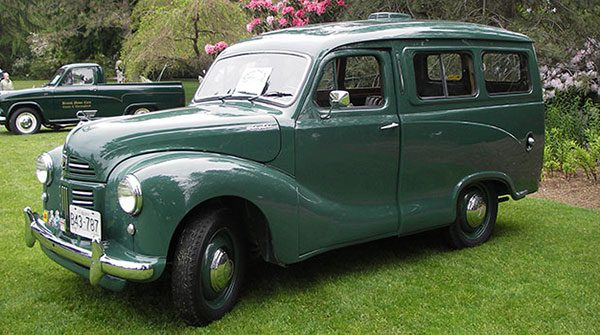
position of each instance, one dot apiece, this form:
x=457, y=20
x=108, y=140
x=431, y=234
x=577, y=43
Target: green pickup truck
x=82, y=87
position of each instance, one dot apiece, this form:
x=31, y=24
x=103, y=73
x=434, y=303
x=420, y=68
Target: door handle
x=390, y=126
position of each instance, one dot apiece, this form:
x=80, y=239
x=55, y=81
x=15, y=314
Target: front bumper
x=2, y=120
x=98, y=263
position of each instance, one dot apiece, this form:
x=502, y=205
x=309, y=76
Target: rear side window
x=443, y=75
x=506, y=73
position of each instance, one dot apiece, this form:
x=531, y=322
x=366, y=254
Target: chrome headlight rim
x=43, y=168
x=129, y=195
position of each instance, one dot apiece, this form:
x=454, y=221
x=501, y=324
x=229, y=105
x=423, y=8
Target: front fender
x=175, y=183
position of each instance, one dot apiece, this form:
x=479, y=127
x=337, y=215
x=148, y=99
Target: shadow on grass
x=151, y=303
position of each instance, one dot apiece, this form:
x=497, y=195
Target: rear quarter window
x=444, y=74
x=506, y=72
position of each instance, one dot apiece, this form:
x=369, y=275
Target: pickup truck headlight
x=129, y=193
x=43, y=168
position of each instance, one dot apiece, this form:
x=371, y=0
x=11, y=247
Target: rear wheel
x=24, y=121
x=141, y=110
x=477, y=209
x=208, y=267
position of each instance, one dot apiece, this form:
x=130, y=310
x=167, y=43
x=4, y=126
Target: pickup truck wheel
x=208, y=267
x=24, y=121
x=477, y=210
x=7, y=126
x=141, y=110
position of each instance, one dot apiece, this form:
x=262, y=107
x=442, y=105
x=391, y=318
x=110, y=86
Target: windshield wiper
x=224, y=96
x=277, y=94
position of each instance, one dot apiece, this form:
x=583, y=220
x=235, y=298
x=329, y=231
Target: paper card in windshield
x=253, y=80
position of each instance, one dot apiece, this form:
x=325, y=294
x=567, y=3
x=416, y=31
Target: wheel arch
x=152, y=106
x=501, y=183
x=253, y=221
x=24, y=104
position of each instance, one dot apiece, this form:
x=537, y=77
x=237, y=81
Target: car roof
x=314, y=39
x=70, y=66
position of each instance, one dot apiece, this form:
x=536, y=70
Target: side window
x=505, y=73
x=443, y=75
x=359, y=75
x=82, y=76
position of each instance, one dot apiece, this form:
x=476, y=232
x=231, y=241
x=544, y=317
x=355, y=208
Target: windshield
x=266, y=76
x=57, y=76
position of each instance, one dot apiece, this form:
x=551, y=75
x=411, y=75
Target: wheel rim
x=141, y=111
x=219, y=268
x=475, y=212
x=26, y=122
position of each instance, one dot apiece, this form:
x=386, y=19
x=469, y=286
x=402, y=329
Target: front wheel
x=208, y=267
x=24, y=121
x=477, y=209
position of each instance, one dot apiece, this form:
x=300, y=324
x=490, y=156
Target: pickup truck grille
x=79, y=167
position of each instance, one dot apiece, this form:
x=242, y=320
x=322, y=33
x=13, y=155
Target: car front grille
x=83, y=198
x=79, y=167
x=76, y=196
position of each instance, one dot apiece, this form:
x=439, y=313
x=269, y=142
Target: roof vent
x=389, y=16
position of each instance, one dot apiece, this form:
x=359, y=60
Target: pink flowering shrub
x=270, y=15
x=580, y=73
x=216, y=48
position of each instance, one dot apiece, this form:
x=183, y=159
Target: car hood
x=219, y=128
x=24, y=93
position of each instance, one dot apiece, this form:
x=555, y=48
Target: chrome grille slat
x=84, y=198
x=83, y=203
x=83, y=193
x=79, y=167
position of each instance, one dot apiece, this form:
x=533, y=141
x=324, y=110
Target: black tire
x=24, y=121
x=7, y=126
x=477, y=209
x=202, y=294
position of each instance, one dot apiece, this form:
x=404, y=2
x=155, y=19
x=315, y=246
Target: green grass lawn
x=540, y=273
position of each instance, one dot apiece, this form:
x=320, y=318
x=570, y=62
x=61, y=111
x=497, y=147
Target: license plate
x=85, y=222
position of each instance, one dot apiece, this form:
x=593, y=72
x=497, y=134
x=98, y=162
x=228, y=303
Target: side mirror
x=337, y=99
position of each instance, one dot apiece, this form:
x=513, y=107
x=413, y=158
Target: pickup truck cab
x=82, y=87
x=298, y=142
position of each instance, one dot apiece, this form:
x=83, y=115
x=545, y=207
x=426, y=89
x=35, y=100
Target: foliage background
x=38, y=35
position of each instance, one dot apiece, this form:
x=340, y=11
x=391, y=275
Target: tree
x=78, y=30
x=174, y=32
x=15, y=25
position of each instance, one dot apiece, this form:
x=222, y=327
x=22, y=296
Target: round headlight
x=129, y=193
x=43, y=168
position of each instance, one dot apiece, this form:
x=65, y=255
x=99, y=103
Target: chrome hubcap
x=141, y=111
x=26, y=122
x=476, y=210
x=221, y=270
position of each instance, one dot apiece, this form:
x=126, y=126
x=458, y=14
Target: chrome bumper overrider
x=2, y=119
x=96, y=260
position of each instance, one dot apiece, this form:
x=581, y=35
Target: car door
x=347, y=158
x=76, y=92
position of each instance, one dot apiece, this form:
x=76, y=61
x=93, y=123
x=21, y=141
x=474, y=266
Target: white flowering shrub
x=580, y=73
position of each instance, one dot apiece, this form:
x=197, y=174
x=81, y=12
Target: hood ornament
x=86, y=115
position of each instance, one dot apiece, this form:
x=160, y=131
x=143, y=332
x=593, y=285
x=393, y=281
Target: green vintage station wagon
x=298, y=142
